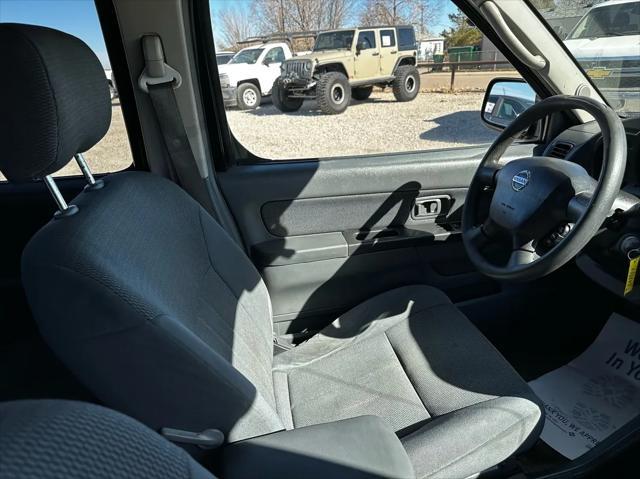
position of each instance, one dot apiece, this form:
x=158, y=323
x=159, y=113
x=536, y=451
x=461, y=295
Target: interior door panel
x=327, y=235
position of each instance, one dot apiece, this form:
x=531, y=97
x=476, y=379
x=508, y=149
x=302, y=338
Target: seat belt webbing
x=177, y=143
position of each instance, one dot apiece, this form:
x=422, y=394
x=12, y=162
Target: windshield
x=247, y=56
x=604, y=38
x=609, y=21
x=334, y=40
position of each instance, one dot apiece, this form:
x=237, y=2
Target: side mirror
x=360, y=46
x=266, y=62
x=504, y=100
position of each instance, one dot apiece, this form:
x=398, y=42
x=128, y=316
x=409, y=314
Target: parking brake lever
x=207, y=439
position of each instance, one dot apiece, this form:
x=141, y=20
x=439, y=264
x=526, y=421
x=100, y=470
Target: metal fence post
x=453, y=76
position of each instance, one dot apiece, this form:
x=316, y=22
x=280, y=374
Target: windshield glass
x=604, y=37
x=247, y=56
x=334, y=40
x=609, y=21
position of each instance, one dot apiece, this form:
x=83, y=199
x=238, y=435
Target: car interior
x=209, y=313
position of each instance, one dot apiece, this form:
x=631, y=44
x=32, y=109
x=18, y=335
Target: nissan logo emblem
x=521, y=180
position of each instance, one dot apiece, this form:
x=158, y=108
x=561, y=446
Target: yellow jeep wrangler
x=349, y=63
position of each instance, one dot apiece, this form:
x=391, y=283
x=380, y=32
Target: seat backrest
x=51, y=439
x=140, y=292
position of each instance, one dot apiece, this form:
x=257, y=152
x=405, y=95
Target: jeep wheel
x=281, y=99
x=406, y=84
x=362, y=92
x=333, y=93
x=249, y=96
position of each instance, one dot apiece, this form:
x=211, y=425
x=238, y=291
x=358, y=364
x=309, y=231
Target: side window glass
x=275, y=55
x=80, y=19
x=367, y=40
x=406, y=39
x=387, y=38
x=325, y=100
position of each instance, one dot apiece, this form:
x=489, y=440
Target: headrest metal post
x=63, y=208
x=86, y=172
x=92, y=183
x=55, y=192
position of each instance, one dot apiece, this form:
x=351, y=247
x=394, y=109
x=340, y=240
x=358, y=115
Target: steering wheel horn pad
x=533, y=196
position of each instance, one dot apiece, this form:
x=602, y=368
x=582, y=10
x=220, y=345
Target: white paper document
x=596, y=393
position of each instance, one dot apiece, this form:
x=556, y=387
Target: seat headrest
x=54, y=100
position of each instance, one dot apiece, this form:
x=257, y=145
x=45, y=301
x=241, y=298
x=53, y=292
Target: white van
x=606, y=43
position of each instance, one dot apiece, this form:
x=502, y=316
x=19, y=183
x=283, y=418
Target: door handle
x=393, y=52
x=430, y=206
x=375, y=54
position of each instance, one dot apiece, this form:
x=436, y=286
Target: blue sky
x=79, y=17
x=519, y=90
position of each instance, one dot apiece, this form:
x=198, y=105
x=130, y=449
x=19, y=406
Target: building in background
x=429, y=47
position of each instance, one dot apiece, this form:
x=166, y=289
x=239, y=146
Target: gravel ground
x=377, y=125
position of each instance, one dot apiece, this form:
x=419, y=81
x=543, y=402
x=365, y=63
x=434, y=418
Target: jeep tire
x=361, y=92
x=249, y=96
x=333, y=93
x=406, y=84
x=281, y=99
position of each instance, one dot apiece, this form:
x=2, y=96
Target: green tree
x=462, y=32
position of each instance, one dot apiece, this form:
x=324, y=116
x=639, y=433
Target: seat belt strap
x=159, y=80
x=177, y=143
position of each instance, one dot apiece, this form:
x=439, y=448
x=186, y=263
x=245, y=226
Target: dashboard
x=583, y=145
x=605, y=260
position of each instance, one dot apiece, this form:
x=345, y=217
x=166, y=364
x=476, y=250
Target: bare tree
x=337, y=13
x=235, y=26
x=305, y=14
x=426, y=14
x=269, y=16
x=274, y=16
x=420, y=13
x=386, y=12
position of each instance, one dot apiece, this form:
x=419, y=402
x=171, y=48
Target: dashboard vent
x=560, y=149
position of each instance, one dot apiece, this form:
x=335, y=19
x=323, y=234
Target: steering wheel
x=535, y=197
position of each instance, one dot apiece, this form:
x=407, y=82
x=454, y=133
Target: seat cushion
x=412, y=358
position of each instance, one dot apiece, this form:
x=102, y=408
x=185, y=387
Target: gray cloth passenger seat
x=162, y=316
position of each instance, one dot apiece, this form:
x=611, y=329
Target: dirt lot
x=377, y=125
